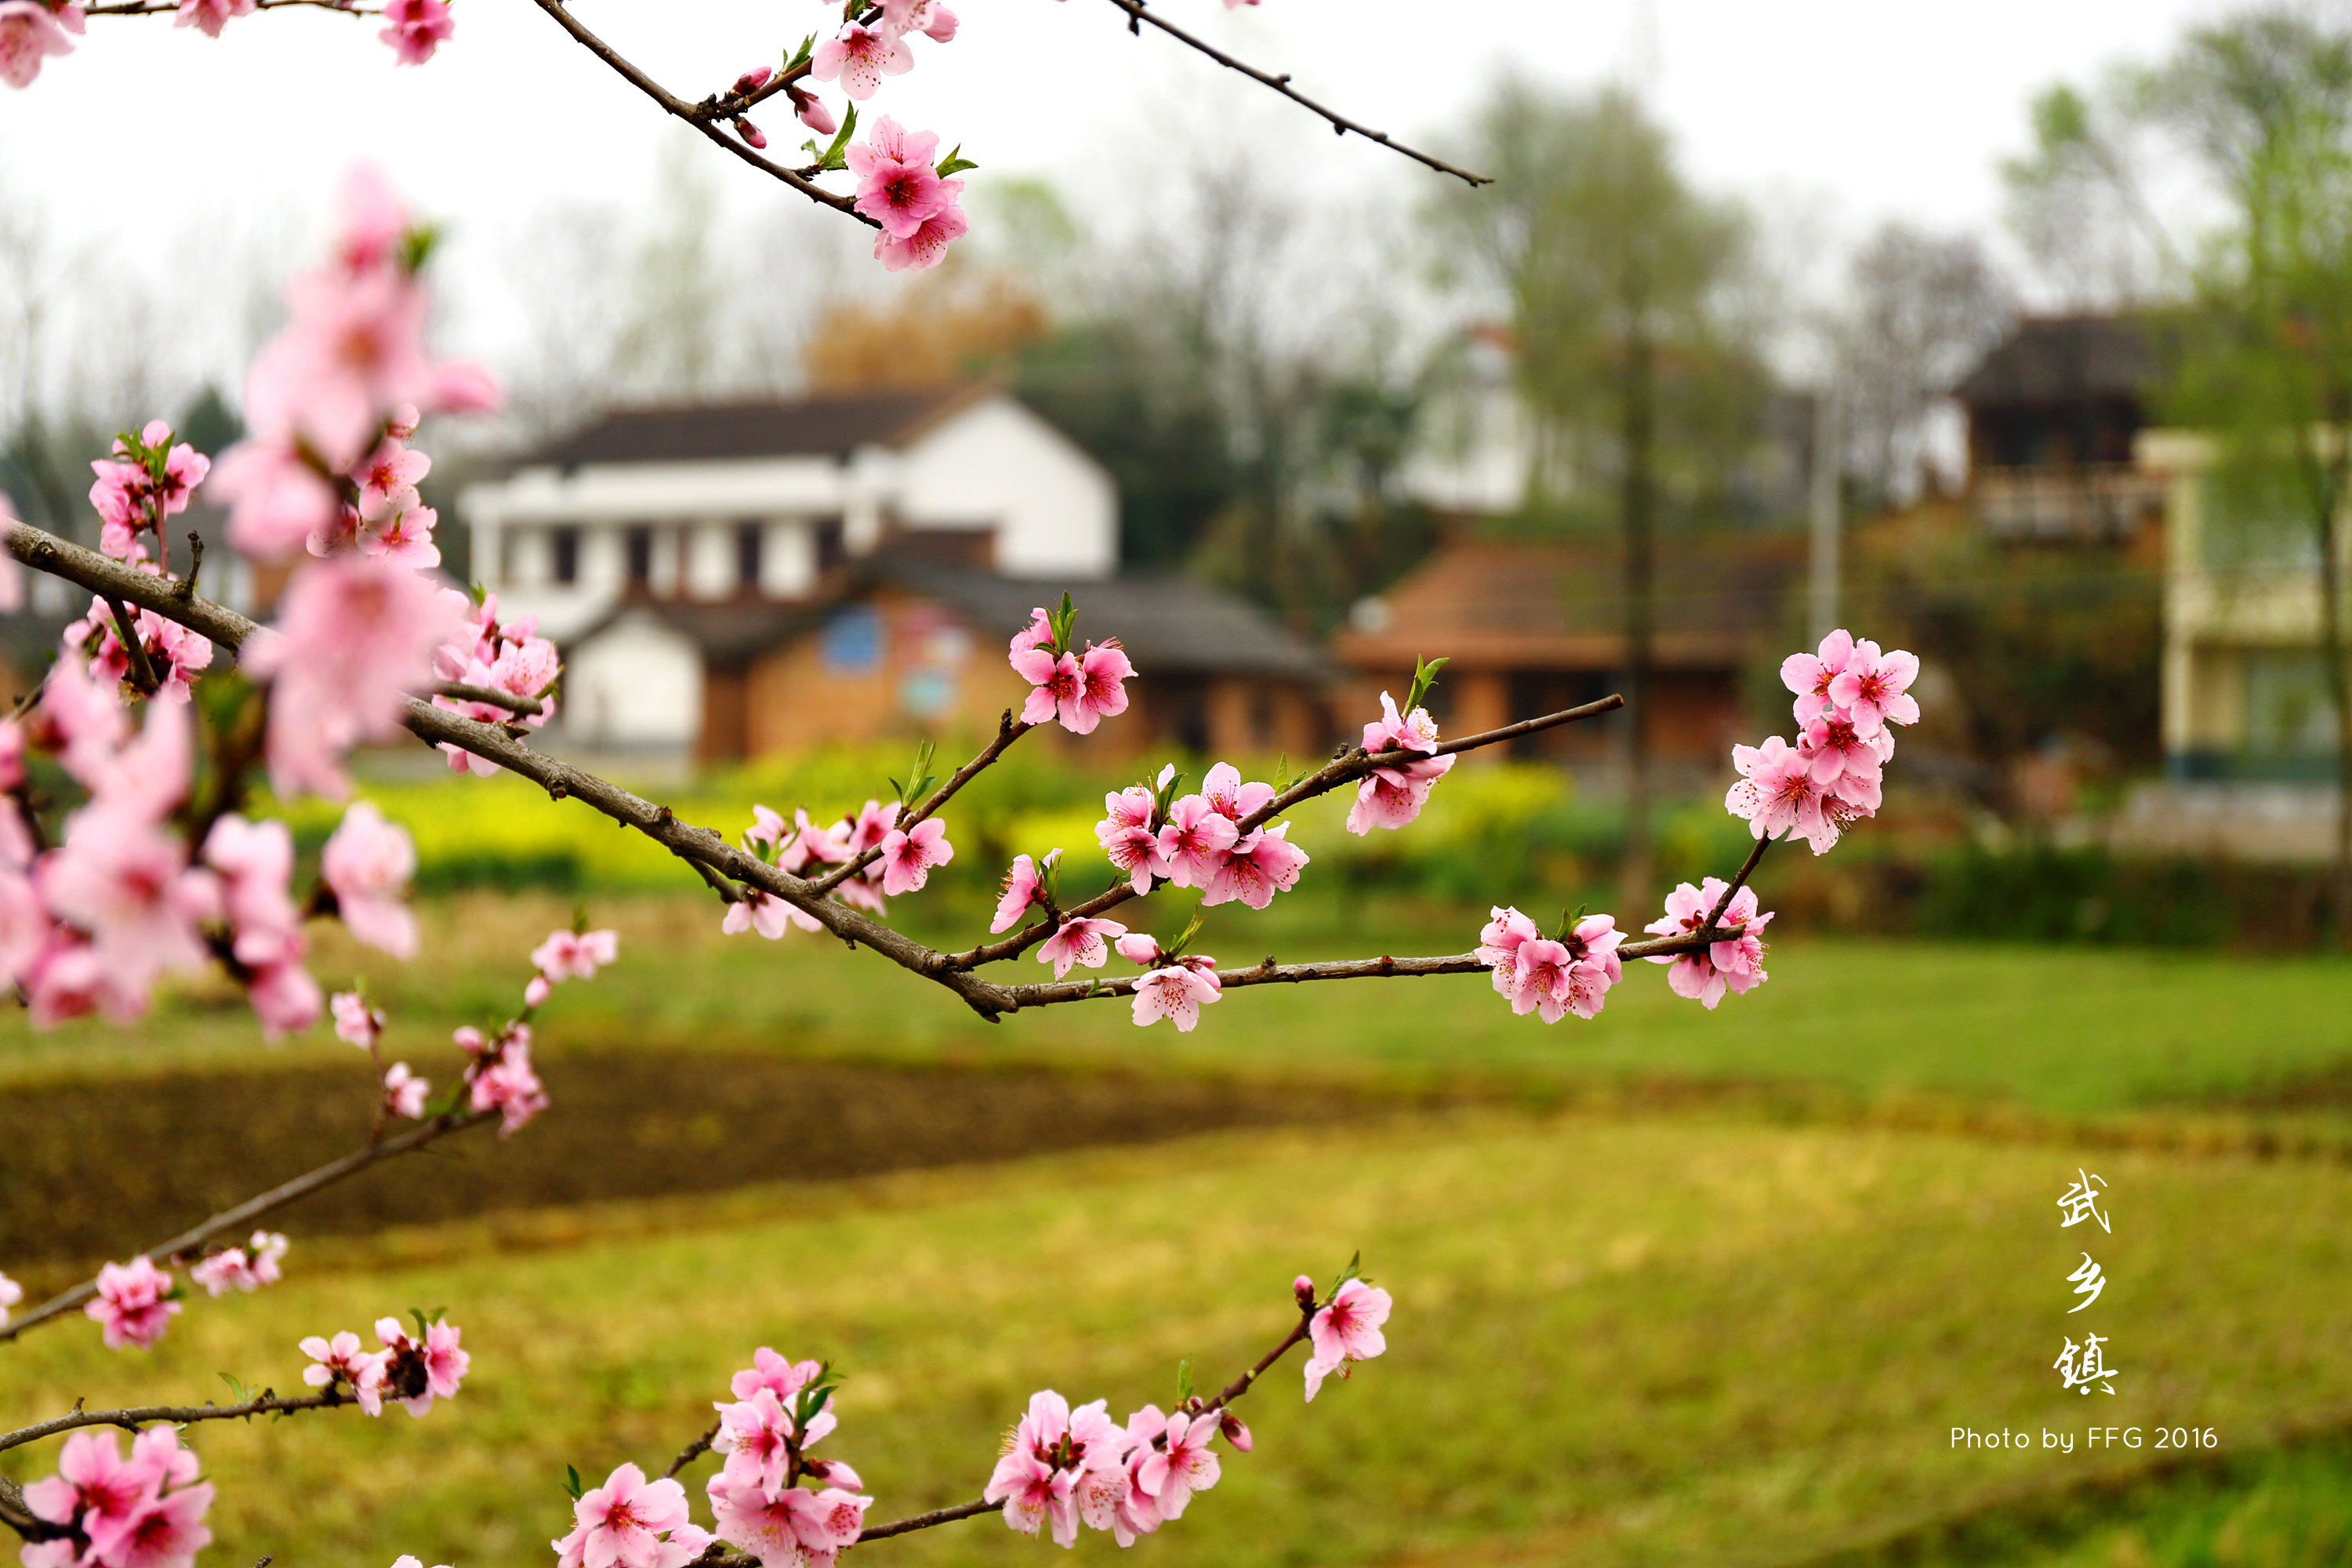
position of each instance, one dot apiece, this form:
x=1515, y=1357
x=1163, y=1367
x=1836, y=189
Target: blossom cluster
x=32, y=30
x=245, y=1268
x=93, y=924
x=1063, y=1468
x=1551, y=976
x=1198, y=841
x=1848, y=692
x=904, y=186
x=1080, y=686
x=501, y=655
x=903, y=862
x=412, y=1369
x=143, y=1511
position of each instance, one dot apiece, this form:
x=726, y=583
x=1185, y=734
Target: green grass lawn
x=2067, y=1033
x=1681, y=1341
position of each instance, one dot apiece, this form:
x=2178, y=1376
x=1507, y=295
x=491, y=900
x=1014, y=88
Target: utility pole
x=1824, y=509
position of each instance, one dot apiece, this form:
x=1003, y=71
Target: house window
x=851, y=643
x=2289, y=710
x=749, y=541
x=563, y=550
x=637, y=546
x=831, y=552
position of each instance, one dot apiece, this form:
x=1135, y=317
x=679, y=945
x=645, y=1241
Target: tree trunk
x=2335, y=467
x=1638, y=501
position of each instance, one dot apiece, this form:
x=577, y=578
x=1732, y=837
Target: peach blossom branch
x=700, y=118
x=266, y=1403
x=1138, y=13
x=253, y=1208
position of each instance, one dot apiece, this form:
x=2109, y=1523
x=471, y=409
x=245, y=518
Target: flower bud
x=753, y=81
x=536, y=992
x=750, y=133
x=1304, y=1289
x=1236, y=1433
x=813, y=112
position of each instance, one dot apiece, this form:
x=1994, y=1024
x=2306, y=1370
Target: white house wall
x=1055, y=512
x=637, y=687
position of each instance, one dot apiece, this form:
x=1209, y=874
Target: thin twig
x=1269, y=973
x=1348, y=766
x=1763, y=842
x=126, y=628
x=692, y=1452
x=266, y=1403
x=673, y=104
x=1008, y=729
x=488, y=696
x=253, y=1208
x=1138, y=14
x=166, y=7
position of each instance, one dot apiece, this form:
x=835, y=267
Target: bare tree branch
x=702, y=120
x=490, y=696
x=1139, y=14
x=267, y=1403
x=1008, y=729
x=253, y=1208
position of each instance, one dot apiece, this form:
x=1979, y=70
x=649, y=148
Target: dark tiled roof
x=1537, y=604
x=2058, y=359
x=726, y=632
x=1168, y=624
x=829, y=424
x=1165, y=621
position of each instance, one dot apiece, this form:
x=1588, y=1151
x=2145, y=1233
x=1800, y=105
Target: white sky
x=1841, y=112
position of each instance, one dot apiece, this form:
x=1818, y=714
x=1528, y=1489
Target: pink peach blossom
x=1874, y=689
x=1127, y=837
x=367, y=862
x=95, y=1487
x=1195, y=841
x=1777, y=795
x=414, y=1372
x=355, y=1021
x=404, y=1093
x=921, y=250
x=757, y=1436
x=782, y=1377
x=1080, y=941
x=1500, y=942
x=897, y=186
x=354, y=637
x=768, y=915
x=510, y=1086
x=1735, y=965
x=10, y=1294
x=1809, y=674
x=1177, y=993
x=132, y=1304
x=1182, y=1466
x=1347, y=1330
x=859, y=58
x=625, y=1518
x=417, y=29
x=28, y=33
x=1023, y=884
x=127, y=883
x=570, y=955
x=208, y=15
x=339, y=1360
x=1230, y=797
x=907, y=858
x=1260, y=865
x=1392, y=796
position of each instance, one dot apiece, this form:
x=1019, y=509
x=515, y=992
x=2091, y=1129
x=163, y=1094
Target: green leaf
x=1354, y=1270
x=1185, y=1379
x=416, y=244
x=955, y=163
x=571, y=1487
x=808, y=45
x=244, y=1396
x=1062, y=622
x=1282, y=772
x=832, y=156
x=1424, y=676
